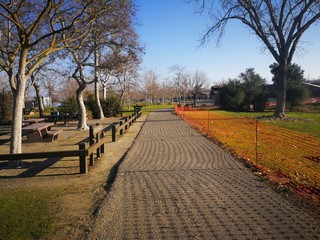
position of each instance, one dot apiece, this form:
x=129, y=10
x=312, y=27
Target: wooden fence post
x=98, y=149
x=113, y=133
x=83, y=160
x=126, y=120
x=121, y=130
x=91, y=142
x=91, y=135
x=102, y=146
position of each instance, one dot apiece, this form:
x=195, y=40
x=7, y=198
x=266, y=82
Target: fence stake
x=257, y=135
x=208, y=124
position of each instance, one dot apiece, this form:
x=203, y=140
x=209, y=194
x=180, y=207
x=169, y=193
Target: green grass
x=305, y=122
x=25, y=215
x=151, y=107
x=302, y=122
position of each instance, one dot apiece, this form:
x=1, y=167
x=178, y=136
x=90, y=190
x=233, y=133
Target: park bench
x=137, y=108
x=63, y=118
x=40, y=132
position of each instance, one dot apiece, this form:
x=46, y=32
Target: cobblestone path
x=176, y=184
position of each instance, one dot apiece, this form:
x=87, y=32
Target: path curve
x=176, y=184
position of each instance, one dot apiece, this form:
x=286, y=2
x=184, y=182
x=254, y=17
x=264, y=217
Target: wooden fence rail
x=95, y=149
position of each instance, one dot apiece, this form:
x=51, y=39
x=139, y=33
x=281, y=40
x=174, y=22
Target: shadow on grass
x=32, y=169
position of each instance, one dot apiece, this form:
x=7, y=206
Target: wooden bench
x=52, y=135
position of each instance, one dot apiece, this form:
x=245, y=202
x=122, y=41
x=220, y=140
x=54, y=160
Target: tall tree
x=80, y=53
x=28, y=37
x=278, y=24
x=296, y=91
x=123, y=56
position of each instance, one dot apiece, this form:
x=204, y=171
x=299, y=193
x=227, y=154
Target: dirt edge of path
x=75, y=198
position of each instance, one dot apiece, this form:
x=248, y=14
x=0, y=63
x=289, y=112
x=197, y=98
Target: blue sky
x=171, y=31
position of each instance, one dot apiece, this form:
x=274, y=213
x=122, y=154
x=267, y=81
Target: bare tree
x=278, y=24
x=180, y=78
x=167, y=91
x=151, y=86
x=123, y=61
x=28, y=37
x=196, y=84
x=39, y=78
x=80, y=57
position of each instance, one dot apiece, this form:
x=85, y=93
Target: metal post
x=257, y=145
x=208, y=123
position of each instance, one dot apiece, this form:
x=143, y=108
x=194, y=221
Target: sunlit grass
x=273, y=149
x=308, y=123
x=25, y=215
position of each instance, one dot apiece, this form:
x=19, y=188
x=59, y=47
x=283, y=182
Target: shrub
x=5, y=107
x=69, y=106
x=232, y=96
x=111, y=106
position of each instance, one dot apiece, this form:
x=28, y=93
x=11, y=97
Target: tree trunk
x=104, y=87
x=96, y=84
x=17, y=117
x=82, y=124
x=40, y=99
x=98, y=103
x=282, y=91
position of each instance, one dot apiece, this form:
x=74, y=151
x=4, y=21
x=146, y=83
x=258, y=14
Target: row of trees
x=250, y=90
x=88, y=41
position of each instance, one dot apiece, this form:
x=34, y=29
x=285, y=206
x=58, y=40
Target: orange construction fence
x=274, y=150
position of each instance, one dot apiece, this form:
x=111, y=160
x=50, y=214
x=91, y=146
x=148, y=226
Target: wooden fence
x=95, y=149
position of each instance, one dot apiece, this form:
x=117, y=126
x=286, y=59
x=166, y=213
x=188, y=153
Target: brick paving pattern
x=176, y=184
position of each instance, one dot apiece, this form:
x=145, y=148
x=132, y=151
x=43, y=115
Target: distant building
x=47, y=101
x=32, y=102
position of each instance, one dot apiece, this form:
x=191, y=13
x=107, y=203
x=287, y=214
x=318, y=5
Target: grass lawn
x=287, y=148
x=25, y=215
x=305, y=122
x=151, y=107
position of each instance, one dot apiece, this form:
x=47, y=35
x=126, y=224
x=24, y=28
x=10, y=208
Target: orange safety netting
x=274, y=150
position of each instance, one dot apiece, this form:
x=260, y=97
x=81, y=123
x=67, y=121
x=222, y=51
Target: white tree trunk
x=17, y=117
x=97, y=96
x=82, y=124
x=104, y=86
x=96, y=84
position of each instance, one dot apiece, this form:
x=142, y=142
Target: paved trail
x=176, y=184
